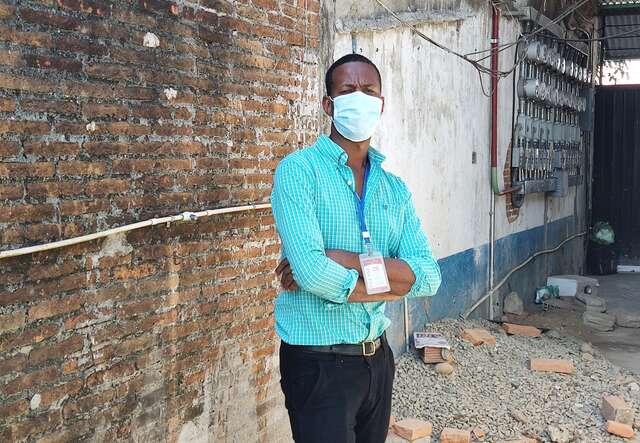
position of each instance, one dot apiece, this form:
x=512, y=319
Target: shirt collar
x=333, y=150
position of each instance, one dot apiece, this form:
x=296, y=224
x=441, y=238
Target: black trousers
x=337, y=398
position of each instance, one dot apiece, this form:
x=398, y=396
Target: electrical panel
x=554, y=76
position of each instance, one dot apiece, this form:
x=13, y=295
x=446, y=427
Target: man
x=337, y=211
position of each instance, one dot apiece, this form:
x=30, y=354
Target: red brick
x=26, y=170
x=10, y=192
x=80, y=207
x=25, y=213
x=7, y=11
x=106, y=187
x=31, y=380
x=12, y=364
x=412, y=429
x=524, y=330
x=54, y=189
x=58, y=351
x=478, y=336
x=53, y=308
x=451, y=435
x=99, y=8
x=51, y=149
x=78, y=168
x=12, y=321
x=552, y=365
x=96, y=110
x=620, y=429
x=58, y=63
x=24, y=127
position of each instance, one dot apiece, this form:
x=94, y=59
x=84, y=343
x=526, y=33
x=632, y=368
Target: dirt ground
x=620, y=346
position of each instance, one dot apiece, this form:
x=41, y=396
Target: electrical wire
x=494, y=50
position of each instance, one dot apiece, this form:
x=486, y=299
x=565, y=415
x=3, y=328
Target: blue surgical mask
x=356, y=115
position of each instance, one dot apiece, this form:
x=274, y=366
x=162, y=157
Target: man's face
x=351, y=77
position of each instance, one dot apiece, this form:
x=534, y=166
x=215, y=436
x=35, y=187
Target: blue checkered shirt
x=315, y=209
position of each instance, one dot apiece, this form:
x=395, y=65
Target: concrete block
x=552, y=365
x=412, y=429
x=527, y=331
x=614, y=408
x=574, y=285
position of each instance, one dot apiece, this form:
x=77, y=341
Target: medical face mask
x=356, y=115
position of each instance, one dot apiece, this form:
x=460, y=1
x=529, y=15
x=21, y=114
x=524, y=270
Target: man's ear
x=382, y=110
x=327, y=105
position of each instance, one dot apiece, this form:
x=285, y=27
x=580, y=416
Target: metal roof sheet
x=621, y=29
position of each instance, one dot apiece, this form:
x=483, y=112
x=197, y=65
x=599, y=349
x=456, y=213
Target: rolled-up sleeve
x=414, y=249
x=293, y=204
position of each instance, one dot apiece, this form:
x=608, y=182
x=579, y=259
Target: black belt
x=366, y=348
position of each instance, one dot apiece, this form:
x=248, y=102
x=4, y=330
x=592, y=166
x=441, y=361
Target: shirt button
x=349, y=182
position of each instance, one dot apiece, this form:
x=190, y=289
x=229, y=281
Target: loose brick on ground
x=451, y=435
x=552, y=365
x=620, y=429
x=412, y=429
x=478, y=337
x=527, y=331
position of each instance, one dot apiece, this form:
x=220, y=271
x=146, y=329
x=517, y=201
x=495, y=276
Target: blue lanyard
x=360, y=206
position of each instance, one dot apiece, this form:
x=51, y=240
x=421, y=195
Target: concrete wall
x=435, y=118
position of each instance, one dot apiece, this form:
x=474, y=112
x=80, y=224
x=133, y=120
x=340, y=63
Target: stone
x=412, y=429
x=628, y=319
x=552, y=365
x=451, y=435
x=592, y=302
x=558, y=435
x=554, y=333
x=478, y=433
x=586, y=348
x=599, y=321
x=444, y=369
x=634, y=387
x=513, y=304
x=614, y=408
x=526, y=331
x=620, y=429
x=586, y=357
x=478, y=337
x=519, y=416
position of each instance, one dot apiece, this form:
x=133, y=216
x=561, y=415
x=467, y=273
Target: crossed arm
x=401, y=277
x=335, y=275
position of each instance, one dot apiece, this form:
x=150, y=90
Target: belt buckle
x=364, y=348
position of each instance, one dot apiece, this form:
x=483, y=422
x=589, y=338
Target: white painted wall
x=435, y=116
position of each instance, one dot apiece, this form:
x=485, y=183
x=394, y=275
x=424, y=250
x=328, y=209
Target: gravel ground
x=493, y=388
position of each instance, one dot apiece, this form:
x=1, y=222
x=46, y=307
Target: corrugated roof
x=621, y=29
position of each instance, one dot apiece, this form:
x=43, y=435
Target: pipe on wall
x=495, y=58
x=184, y=216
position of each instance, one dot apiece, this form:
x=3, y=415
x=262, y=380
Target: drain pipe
x=495, y=189
x=495, y=58
x=185, y=216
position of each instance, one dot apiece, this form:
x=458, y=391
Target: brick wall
x=165, y=333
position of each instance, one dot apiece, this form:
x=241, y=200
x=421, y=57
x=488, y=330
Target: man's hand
x=286, y=276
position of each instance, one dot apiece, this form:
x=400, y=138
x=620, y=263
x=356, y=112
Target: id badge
x=374, y=273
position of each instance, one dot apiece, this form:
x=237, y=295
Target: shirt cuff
x=418, y=286
x=350, y=282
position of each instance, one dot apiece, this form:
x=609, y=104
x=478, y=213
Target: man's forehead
x=355, y=70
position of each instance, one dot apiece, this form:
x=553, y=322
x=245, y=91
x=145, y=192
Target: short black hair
x=328, y=78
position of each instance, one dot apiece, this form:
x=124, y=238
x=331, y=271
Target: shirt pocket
x=385, y=215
